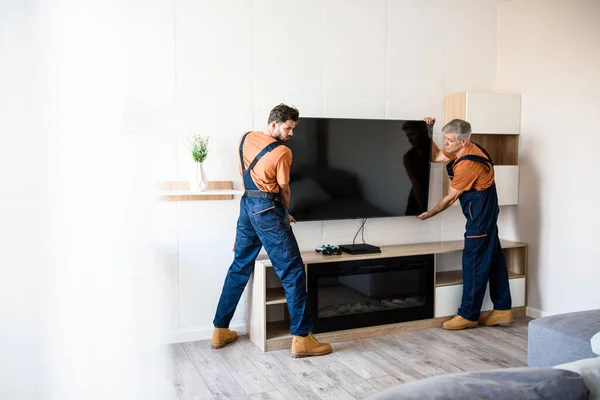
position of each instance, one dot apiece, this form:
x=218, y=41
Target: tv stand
x=361, y=248
x=267, y=313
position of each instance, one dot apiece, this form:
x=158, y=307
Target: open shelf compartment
x=504, y=149
x=275, y=295
x=449, y=270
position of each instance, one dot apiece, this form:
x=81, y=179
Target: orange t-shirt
x=273, y=169
x=471, y=174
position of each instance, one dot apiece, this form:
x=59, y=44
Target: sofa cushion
x=561, y=338
x=596, y=343
x=589, y=370
x=511, y=383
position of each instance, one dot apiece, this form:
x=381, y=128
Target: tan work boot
x=306, y=346
x=497, y=317
x=222, y=336
x=459, y=322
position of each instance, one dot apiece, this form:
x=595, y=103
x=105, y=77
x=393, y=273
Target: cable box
x=359, y=248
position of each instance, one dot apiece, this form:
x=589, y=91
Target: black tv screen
x=359, y=168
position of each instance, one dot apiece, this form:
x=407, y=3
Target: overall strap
x=472, y=157
x=484, y=152
x=270, y=147
x=241, y=147
x=450, y=169
x=479, y=159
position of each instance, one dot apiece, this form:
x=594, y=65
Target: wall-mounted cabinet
x=488, y=113
x=507, y=184
x=495, y=120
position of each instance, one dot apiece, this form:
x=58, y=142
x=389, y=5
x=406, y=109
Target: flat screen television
x=359, y=168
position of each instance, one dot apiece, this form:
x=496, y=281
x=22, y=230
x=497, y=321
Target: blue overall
x=482, y=255
x=263, y=221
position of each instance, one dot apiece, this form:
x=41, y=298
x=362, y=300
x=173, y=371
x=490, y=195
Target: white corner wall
x=232, y=61
x=549, y=51
x=79, y=299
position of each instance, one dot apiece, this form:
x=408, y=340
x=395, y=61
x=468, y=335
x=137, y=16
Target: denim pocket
x=265, y=215
x=466, y=209
x=289, y=240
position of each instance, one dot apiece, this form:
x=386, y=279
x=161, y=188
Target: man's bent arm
x=446, y=202
x=286, y=194
x=437, y=155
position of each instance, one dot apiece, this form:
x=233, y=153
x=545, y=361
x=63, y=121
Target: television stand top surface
x=312, y=257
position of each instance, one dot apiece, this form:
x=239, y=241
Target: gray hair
x=460, y=127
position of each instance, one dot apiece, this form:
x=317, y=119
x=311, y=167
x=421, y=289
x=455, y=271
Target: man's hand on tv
x=292, y=219
x=429, y=120
x=425, y=216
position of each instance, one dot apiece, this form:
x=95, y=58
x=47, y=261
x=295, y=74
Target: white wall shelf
x=179, y=191
x=198, y=193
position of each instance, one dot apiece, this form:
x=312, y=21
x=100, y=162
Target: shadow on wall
x=529, y=225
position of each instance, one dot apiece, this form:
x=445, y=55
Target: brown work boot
x=459, y=322
x=306, y=346
x=497, y=317
x=222, y=336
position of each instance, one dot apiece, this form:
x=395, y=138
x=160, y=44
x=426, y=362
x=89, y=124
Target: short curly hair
x=460, y=127
x=281, y=113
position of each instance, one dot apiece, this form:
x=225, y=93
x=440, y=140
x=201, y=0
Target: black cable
x=362, y=228
x=363, y=231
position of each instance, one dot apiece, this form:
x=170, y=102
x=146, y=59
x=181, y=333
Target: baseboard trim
x=204, y=332
x=535, y=313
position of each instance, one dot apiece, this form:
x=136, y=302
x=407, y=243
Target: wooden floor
x=355, y=370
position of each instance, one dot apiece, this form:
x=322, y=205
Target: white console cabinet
x=268, y=319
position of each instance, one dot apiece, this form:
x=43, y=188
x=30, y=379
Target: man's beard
x=279, y=137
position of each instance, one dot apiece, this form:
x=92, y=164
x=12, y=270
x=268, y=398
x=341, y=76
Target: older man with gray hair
x=471, y=171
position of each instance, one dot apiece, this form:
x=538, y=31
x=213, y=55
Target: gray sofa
x=502, y=384
x=562, y=338
x=572, y=338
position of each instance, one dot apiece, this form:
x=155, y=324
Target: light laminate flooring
x=355, y=370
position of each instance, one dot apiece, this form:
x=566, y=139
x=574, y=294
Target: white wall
x=80, y=302
x=235, y=60
x=549, y=51
x=22, y=158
